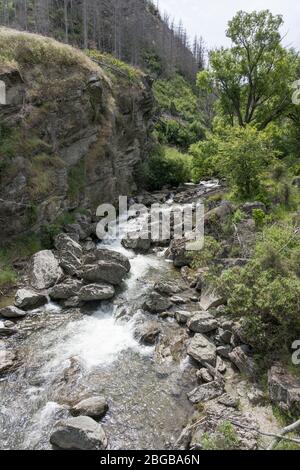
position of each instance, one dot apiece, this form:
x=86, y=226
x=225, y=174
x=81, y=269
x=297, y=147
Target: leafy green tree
x=253, y=78
x=243, y=157
x=240, y=154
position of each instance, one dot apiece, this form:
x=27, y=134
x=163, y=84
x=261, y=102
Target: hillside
x=131, y=30
x=72, y=133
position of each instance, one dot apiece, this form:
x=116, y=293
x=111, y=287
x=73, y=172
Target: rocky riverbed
x=118, y=346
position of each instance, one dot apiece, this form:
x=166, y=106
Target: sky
x=209, y=18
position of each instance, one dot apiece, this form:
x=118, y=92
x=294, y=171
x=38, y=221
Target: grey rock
x=28, y=299
x=72, y=302
x=215, y=415
x=6, y=332
x=149, y=333
x=202, y=322
x=284, y=388
x=155, y=303
x=206, y=392
x=141, y=244
x=242, y=359
x=228, y=401
x=94, y=407
x=178, y=253
x=182, y=316
x=7, y=360
x=210, y=300
x=203, y=375
x=89, y=245
x=177, y=300
x=167, y=288
x=80, y=433
x=69, y=253
x=202, y=350
x=221, y=366
x=165, y=315
x=107, y=255
x=65, y=290
x=256, y=396
x=225, y=335
x=44, y=270
x=250, y=206
x=12, y=312
x=224, y=351
x=104, y=271
x=93, y=292
x=214, y=218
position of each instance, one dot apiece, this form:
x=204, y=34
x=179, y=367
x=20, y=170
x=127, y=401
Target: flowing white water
x=65, y=355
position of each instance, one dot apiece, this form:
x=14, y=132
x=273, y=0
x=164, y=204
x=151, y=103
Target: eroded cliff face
x=71, y=134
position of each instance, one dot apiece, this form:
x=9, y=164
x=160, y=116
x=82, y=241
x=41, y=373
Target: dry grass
x=20, y=48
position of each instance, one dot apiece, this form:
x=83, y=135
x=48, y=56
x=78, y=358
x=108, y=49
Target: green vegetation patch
x=166, y=167
x=177, y=96
x=20, y=48
x=115, y=66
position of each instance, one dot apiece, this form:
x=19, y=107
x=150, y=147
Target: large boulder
x=167, y=288
x=242, y=359
x=12, y=312
x=94, y=292
x=140, y=244
x=65, y=290
x=284, y=389
x=104, y=271
x=44, y=270
x=69, y=253
x=7, y=360
x=149, y=333
x=28, y=299
x=156, y=303
x=249, y=207
x=178, y=253
x=202, y=322
x=210, y=299
x=94, y=407
x=215, y=218
x=206, y=392
x=107, y=255
x=182, y=316
x=80, y=433
x=202, y=350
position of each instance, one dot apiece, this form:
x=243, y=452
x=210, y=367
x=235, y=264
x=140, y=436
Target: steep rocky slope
x=71, y=134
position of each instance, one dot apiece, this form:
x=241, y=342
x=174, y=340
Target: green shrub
x=208, y=253
x=8, y=277
x=48, y=232
x=224, y=438
x=153, y=63
x=177, y=97
x=204, y=158
x=259, y=217
x=266, y=292
x=167, y=167
x=240, y=154
x=238, y=216
x=76, y=180
x=115, y=66
x=175, y=132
